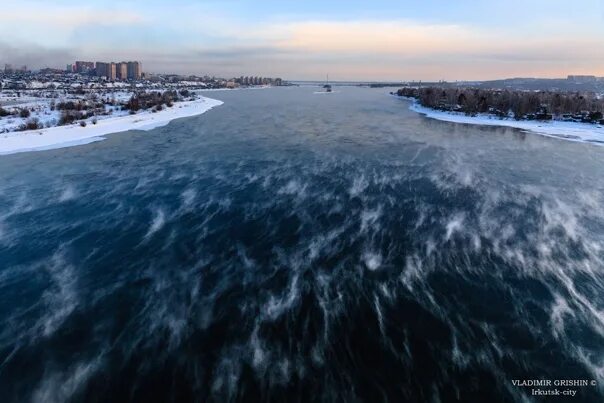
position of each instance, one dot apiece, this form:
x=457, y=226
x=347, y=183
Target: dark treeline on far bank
x=584, y=107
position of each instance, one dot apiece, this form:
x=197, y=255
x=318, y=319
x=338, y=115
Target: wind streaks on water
x=423, y=275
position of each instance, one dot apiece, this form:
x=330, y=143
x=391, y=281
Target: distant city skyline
x=353, y=40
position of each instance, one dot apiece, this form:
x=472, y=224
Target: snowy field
x=572, y=131
x=70, y=135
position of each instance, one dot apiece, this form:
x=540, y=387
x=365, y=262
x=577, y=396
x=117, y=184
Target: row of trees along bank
x=520, y=105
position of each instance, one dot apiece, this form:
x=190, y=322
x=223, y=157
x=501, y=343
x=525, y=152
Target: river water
x=294, y=246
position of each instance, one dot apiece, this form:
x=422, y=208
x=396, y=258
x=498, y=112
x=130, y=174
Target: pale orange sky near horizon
x=385, y=40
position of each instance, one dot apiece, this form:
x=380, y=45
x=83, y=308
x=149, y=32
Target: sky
x=377, y=40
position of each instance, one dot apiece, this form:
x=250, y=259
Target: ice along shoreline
x=72, y=135
x=571, y=131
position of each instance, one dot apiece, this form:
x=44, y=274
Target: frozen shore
x=67, y=136
x=572, y=131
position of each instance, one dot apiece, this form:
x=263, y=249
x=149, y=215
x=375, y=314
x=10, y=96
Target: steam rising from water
x=319, y=275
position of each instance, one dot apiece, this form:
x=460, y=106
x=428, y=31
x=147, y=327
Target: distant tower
x=111, y=71
x=122, y=71
x=101, y=69
x=134, y=70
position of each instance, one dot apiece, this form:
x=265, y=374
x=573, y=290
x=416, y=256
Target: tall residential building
x=122, y=71
x=101, y=69
x=135, y=70
x=111, y=71
x=8, y=68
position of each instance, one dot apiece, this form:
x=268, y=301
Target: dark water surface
x=290, y=246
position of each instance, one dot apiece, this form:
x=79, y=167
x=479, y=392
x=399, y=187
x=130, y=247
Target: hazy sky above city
x=350, y=40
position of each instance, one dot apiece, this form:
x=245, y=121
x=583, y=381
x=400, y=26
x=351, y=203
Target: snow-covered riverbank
x=66, y=136
x=572, y=131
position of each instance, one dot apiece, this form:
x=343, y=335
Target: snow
x=572, y=131
x=254, y=88
x=66, y=136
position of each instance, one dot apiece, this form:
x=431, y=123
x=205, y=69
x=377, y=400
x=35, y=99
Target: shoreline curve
x=74, y=135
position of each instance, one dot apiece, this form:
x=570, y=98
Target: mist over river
x=293, y=246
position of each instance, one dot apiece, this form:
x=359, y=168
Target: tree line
x=154, y=100
x=74, y=111
x=540, y=105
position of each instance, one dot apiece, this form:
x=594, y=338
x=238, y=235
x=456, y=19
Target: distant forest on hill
x=584, y=107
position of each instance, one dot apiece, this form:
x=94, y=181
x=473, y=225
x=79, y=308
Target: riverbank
x=571, y=131
x=71, y=135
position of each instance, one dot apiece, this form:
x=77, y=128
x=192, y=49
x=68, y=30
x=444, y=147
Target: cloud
x=33, y=55
x=51, y=25
x=385, y=37
x=408, y=38
x=68, y=18
x=192, y=38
